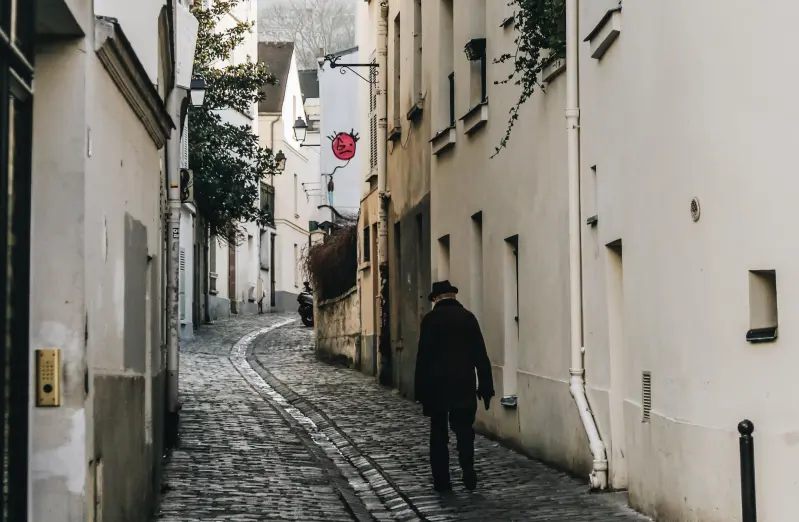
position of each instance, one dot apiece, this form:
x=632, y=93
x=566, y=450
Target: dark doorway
x=16, y=118
x=272, y=281
x=231, y=282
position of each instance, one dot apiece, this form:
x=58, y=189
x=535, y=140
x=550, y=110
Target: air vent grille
x=646, y=395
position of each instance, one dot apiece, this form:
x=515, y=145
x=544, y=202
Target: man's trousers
x=461, y=421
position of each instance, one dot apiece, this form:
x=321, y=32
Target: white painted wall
x=139, y=20
x=338, y=95
x=247, y=259
x=666, y=117
x=93, y=171
x=656, y=144
x=294, y=207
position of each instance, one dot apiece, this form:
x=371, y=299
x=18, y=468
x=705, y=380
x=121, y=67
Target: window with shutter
x=184, y=145
x=373, y=119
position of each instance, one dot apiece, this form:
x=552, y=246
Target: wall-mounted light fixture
x=301, y=132
x=197, y=89
x=280, y=161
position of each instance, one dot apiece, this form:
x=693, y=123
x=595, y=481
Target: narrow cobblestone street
x=269, y=433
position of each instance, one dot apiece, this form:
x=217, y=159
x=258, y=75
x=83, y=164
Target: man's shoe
x=470, y=480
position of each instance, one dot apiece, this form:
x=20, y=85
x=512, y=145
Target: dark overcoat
x=451, y=347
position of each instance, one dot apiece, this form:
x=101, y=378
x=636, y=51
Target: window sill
x=605, y=33
x=444, y=140
x=762, y=335
x=416, y=111
x=366, y=265
x=509, y=402
x=476, y=118
x=213, y=292
x=395, y=134
x=213, y=275
x=372, y=175
x=553, y=70
x=507, y=22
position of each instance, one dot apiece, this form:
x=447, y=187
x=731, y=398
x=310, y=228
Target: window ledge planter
x=605, y=33
x=476, y=118
x=443, y=140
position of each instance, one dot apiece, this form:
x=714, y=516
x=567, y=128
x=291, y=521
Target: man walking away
x=451, y=346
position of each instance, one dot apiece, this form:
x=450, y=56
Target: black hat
x=441, y=288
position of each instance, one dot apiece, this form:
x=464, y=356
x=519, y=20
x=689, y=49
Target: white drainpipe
x=599, y=474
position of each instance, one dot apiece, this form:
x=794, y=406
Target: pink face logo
x=344, y=145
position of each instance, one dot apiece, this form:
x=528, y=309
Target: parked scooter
x=305, y=299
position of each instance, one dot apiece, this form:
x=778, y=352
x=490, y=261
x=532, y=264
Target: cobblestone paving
x=240, y=457
x=281, y=436
x=388, y=435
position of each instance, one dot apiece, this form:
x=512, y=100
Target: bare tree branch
x=310, y=24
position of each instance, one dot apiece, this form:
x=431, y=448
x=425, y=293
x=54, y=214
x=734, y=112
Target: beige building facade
x=97, y=258
x=407, y=172
x=683, y=263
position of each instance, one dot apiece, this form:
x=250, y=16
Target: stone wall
x=338, y=328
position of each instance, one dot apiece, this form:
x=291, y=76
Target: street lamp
x=197, y=88
x=280, y=161
x=301, y=132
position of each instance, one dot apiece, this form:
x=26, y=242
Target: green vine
x=227, y=159
x=541, y=38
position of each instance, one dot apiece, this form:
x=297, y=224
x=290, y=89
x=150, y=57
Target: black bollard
x=747, y=444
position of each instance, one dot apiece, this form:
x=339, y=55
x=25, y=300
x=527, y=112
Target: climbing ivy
x=227, y=159
x=540, y=27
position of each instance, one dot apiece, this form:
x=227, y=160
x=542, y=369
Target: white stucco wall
x=665, y=118
x=139, y=20
x=724, y=139
x=295, y=204
x=100, y=172
x=245, y=287
x=338, y=95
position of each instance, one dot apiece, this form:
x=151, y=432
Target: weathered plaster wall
x=338, y=327
x=59, y=441
x=99, y=299
x=408, y=181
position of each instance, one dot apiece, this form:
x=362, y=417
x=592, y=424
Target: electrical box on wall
x=48, y=378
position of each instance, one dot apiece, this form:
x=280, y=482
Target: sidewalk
x=269, y=433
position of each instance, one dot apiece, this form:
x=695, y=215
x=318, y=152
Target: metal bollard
x=747, y=445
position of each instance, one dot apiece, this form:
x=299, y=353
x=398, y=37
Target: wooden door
x=231, y=282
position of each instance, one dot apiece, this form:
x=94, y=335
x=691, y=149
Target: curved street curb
x=349, y=484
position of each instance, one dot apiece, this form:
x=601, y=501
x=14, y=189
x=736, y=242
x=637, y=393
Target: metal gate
x=16, y=119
